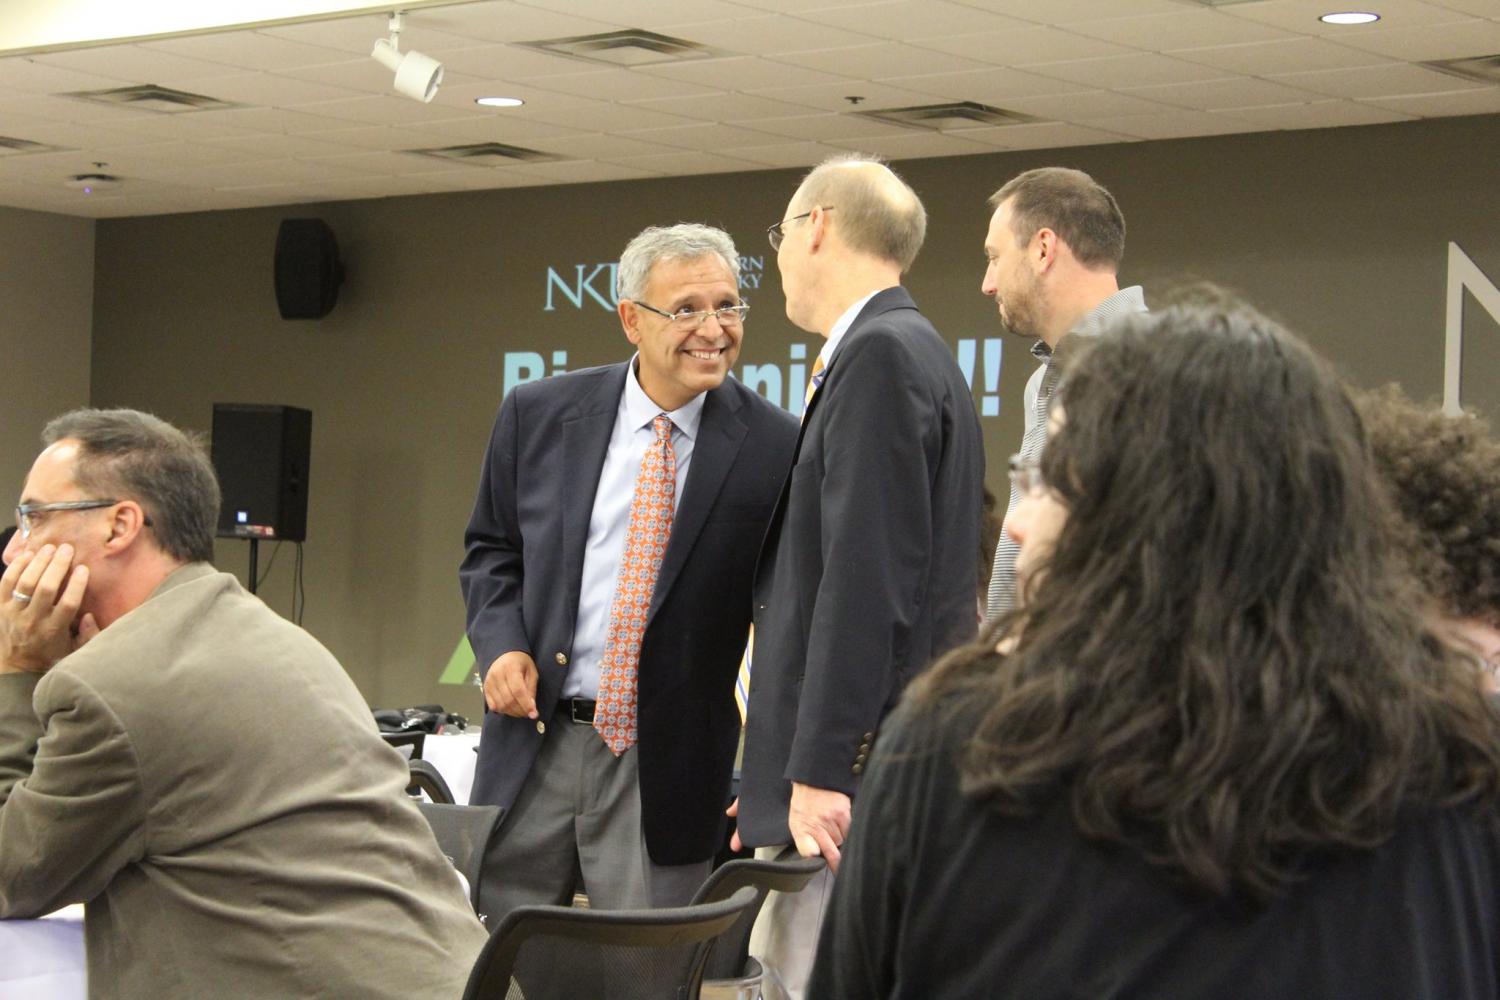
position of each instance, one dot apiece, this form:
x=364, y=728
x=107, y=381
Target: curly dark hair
x=1222, y=664
x=1443, y=473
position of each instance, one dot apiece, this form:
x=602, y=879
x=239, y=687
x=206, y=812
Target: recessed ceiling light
x=499, y=102
x=1350, y=17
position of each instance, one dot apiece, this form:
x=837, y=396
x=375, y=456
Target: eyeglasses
x=688, y=320
x=777, y=233
x=26, y=513
x=1026, y=476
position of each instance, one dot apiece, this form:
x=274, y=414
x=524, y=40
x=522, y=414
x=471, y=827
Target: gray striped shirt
x=1038, y=396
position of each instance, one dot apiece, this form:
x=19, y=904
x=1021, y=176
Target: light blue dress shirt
x=628, y=441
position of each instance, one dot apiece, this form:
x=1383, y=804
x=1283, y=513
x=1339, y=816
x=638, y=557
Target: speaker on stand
x=261, y=455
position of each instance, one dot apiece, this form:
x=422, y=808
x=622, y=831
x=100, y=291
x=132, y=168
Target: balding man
x=867, y=571
x=1052, y=252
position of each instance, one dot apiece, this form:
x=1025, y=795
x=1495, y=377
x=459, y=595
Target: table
x=453, y=755
x=43, y=959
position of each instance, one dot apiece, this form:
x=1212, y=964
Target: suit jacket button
x=857, y=768
x=869, y=737
x=541, y=726
x=864, y=748
x=860, y=759
x=562, y=659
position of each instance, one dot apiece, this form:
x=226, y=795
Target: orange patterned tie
x=645, y=543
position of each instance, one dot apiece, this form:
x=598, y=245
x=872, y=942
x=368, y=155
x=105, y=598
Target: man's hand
x=819, y=820
x=39, y=602
x=510, y=685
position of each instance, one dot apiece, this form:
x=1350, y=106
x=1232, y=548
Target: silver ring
x=17, y=595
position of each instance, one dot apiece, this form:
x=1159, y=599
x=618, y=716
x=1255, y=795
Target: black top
x=937, y=896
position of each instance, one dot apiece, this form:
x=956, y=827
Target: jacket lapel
x=720, y=433
x=586, y=434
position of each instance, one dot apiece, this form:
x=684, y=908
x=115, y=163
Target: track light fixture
x=417, y=76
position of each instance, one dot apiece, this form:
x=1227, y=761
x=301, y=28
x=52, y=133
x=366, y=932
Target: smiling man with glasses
x=607, y=575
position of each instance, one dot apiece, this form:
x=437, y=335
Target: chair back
x=563, y=952
x=414, y=739
x=787, y=873
x=426, y=778
x=464, y=834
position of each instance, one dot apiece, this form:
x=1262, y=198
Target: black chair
x=464, y=833
x=729, y=962
x=425, y=778
x=563, y=953
x=415, y=740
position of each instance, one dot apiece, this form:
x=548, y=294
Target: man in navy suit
x=636, y=821
x=868, y=569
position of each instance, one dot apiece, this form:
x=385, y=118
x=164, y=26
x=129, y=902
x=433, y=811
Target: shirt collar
x=1124, y=302
x=640, y=411
x=841, y=327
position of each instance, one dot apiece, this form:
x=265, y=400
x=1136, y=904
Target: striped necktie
x=646, y=537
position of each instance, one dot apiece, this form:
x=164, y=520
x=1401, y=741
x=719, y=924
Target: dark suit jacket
x=523, y=567
x=869, y=569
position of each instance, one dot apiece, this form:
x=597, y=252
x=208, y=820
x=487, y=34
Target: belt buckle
x=577, y=707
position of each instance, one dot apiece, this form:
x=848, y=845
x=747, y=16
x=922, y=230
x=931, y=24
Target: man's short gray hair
x=875, y=211
x=684, y=241
x=130, y=455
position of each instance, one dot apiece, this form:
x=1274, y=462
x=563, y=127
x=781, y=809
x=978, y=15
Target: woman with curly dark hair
x=1443, y=472
x=1221, y=753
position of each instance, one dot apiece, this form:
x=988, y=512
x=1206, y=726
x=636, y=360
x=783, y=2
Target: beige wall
x=1341, y=233
x=46, y=322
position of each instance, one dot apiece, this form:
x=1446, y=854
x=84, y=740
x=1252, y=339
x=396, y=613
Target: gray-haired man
x=607, y=574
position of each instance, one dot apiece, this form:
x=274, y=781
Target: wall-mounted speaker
x=261, y=456
x=308, y=269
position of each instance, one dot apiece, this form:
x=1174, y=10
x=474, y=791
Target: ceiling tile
x=597, y=147
x=132, y=62
x=624, y=84
x=1319, y=114
x=988, y=86
x=787, y=154
x=827, y=128
x=269, y=90
x=749, y=74
x=1302, y=15
x=386, y=110
x=1084, y=104
x=1466, y=102
x=250, y=50
x=1288, y=56
x=1024, y=46
x=1183, y=29
x=913, y=19
x=1043, y=135
x=886, y=59
x=681, y=162
x=471, y=130
x=275, y=147
x=733, y=107
x=835, y=96
x=774, y=34
x=1140, y=70
x=515, y=22
x=1070, y=11
x=708, y=137
x=26, y=75
x=585, y=171
x=1214, y=95
x=645, y=13
x=915, y=145
x=1173, y=125
x=512, y=62
x=1377, y=81
x=233, y=175
x=1454, y=40
x=601, y=117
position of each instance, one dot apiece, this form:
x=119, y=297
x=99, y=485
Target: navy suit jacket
x=523, y=566
x=870, y=567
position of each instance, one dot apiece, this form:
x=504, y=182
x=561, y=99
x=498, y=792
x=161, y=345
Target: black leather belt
x=577, y=709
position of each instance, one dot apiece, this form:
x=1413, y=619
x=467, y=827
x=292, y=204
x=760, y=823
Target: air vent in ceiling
x=150, y=97
x=10, y=146
x=628, y=47
x=948, y=117
x=1485, y=69
x=487, y=154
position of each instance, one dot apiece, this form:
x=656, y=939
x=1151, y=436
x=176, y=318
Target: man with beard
x=1052, y=255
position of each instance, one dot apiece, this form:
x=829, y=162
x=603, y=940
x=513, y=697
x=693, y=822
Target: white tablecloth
x=43, y=959
x=453, y=755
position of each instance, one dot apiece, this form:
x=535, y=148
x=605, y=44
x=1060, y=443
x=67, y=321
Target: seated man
x=200, y=773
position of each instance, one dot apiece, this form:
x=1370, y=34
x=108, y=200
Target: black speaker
x=308, y=270
x=261, y=456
